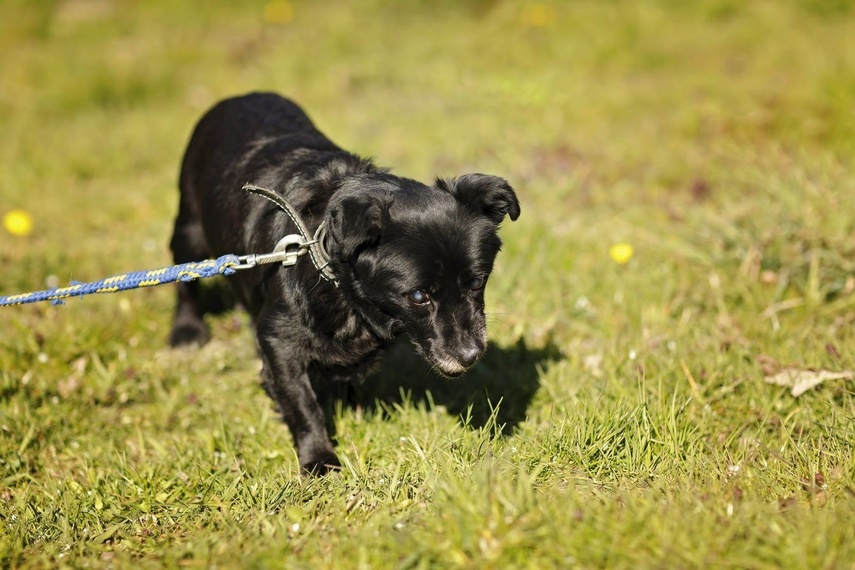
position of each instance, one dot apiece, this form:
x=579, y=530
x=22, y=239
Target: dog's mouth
x=450, y=370
x=451, y=362
x=452, y=367
x=445, y=365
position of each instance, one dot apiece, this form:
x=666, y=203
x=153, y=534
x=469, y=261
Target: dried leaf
x=800, y=381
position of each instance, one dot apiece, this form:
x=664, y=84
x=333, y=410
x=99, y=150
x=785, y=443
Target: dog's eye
x=418, y=297
x=476, y=283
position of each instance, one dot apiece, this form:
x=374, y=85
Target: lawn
x=622, y=416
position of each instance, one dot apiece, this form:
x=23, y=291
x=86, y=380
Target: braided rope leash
x=286, y=252
x=225, y=265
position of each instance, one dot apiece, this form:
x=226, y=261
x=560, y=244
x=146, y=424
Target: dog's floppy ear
x=488, y=195
x=356, y=222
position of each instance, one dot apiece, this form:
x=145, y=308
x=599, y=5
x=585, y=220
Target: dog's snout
x=469, y=355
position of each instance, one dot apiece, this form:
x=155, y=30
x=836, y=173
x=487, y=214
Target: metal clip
x=286, y=251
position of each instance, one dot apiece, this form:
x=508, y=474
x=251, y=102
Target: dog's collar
x=314, y=245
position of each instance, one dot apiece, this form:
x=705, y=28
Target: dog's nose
x=469, y=355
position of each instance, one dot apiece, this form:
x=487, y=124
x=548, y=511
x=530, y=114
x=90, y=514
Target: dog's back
x=233, y=143
x=235, y=126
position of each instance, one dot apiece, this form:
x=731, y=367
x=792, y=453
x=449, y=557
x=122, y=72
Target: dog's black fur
x=409, y=258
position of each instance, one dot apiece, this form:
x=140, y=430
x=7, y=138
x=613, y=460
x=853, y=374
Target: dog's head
x=414, y=258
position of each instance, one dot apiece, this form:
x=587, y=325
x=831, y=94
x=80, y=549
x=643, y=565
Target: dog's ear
x=356, y=222
x=488, y=195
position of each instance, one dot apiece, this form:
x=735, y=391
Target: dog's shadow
x=498, y=389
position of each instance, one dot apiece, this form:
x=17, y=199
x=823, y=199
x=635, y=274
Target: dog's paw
x=188, y=333
x=322, y=465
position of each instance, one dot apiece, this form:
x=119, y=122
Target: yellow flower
x=18, y=223
x=278, y=12
x=538, y=16
x=621, y=252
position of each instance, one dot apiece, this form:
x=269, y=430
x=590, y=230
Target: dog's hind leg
x=188, y=244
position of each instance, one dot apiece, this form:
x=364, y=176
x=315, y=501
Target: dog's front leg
x=286, y=380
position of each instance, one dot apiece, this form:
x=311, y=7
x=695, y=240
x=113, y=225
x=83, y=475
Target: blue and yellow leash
x=286, y=252
x=225, y=265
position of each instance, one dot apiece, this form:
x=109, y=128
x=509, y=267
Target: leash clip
x=287, y=251
x=290, y=247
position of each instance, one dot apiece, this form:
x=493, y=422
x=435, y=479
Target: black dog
x=406, y=257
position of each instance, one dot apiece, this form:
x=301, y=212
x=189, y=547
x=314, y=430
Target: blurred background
x=687, y=227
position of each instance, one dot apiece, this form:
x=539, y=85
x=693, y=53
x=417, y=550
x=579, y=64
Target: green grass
x=620, y=419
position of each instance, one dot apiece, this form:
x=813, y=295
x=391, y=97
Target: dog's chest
x=352, y=355
x=352, y=340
